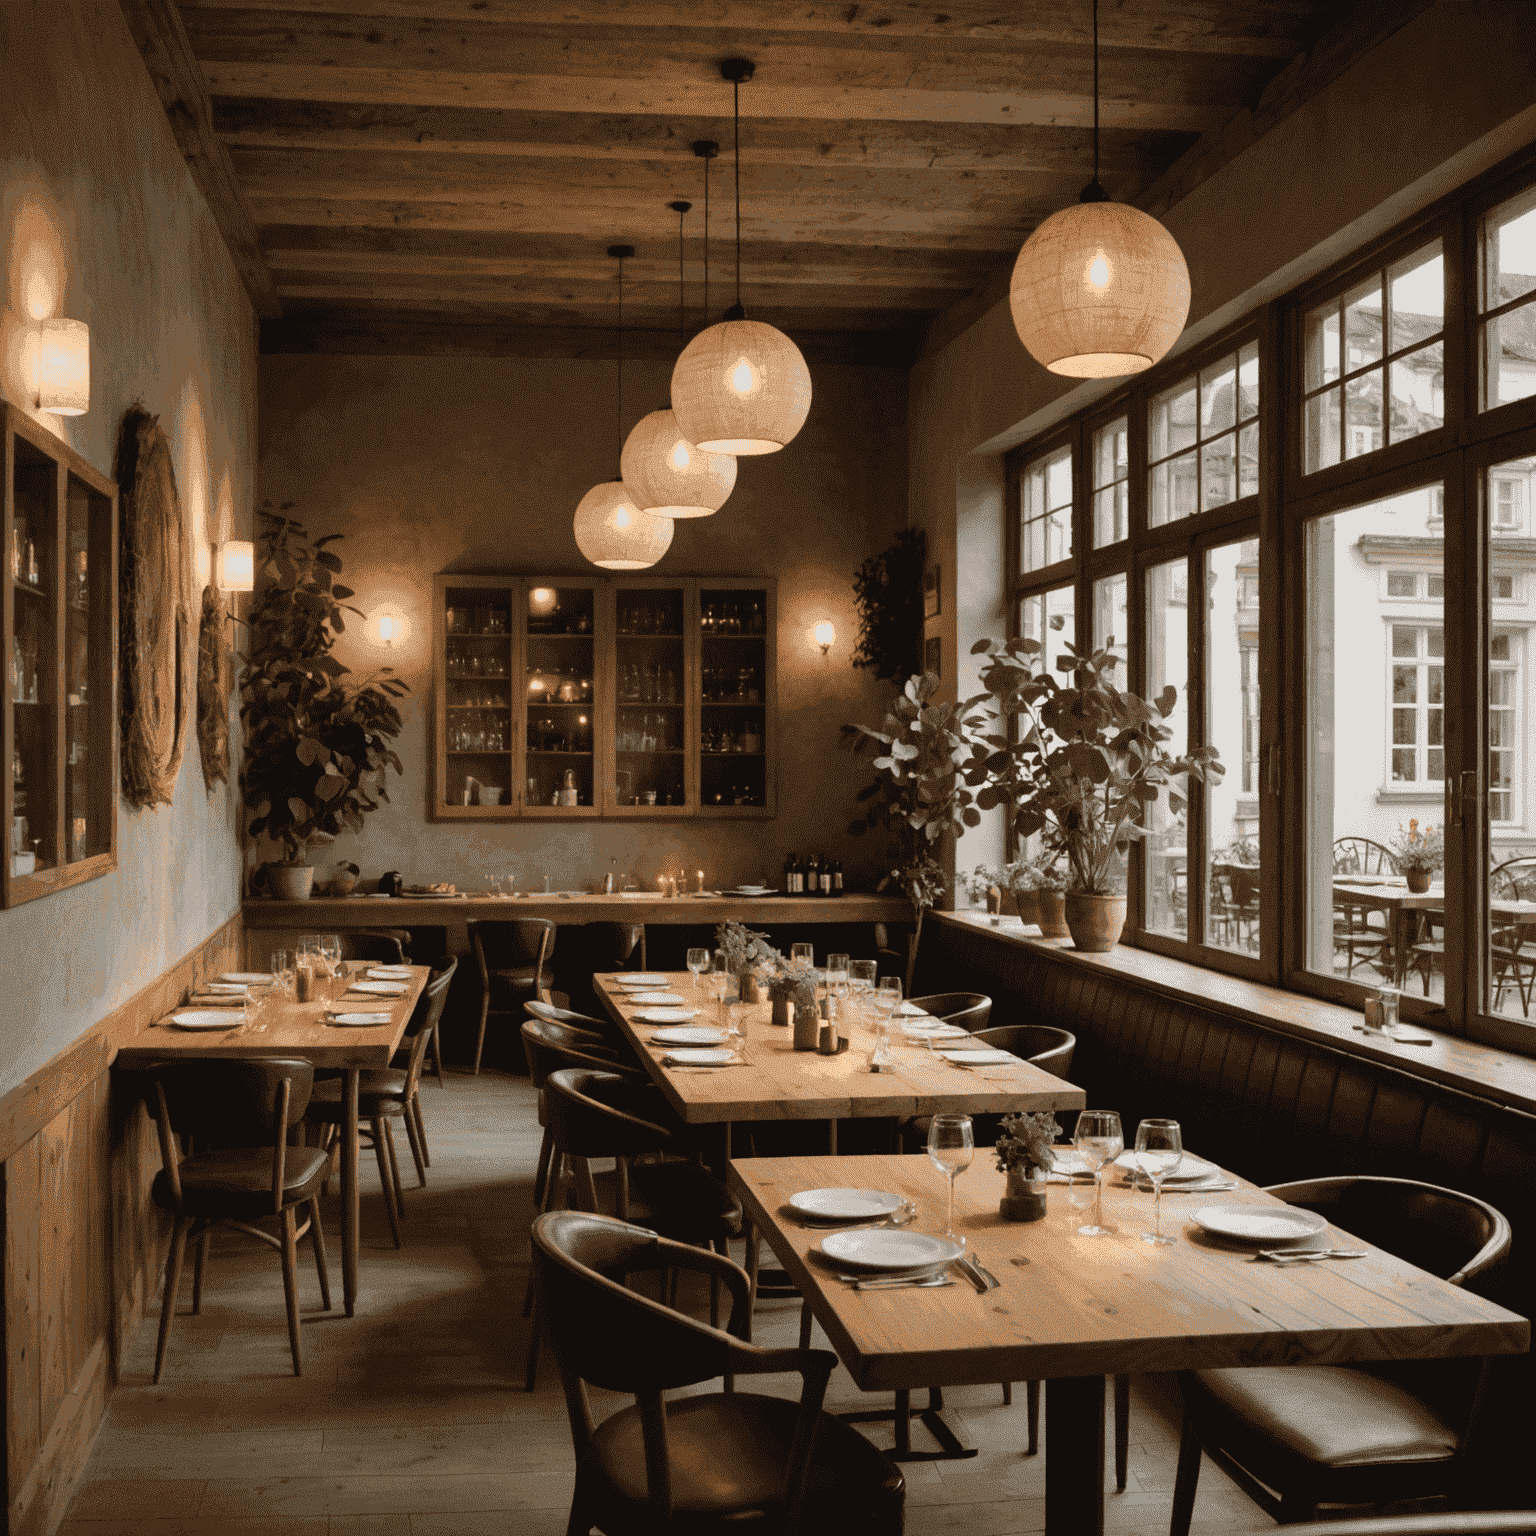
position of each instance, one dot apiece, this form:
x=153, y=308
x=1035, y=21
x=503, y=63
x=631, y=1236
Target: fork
x=903, y=1217
x=1301, y=1255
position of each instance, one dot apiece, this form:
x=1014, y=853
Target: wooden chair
x=1359, y=930
x=1509, y=1522
x=605, y=1029
x=514, y=960
x=236, y=1115
x=1513, y=950
x=1294, y=1437
x=711, y=1464
x=389, y=1094
x=382, y=946
x=970, y=1010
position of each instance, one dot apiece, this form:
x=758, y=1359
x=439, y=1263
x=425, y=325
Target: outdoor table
x=299, y=1029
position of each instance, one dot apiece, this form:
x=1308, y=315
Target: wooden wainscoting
x=83, y=1244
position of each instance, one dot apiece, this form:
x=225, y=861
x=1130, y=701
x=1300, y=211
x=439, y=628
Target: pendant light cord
x=736, y=128
x=619, y=401
x=1094, y=192
x=682, y=312
x=706, y=239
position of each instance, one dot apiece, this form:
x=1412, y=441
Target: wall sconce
x=234, y=566
x=63, y=367
x=541, y=600
x=387, y=626
x=823, y=634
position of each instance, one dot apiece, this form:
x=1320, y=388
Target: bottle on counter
x=790, y=872
x=837, y=877
x=826, y=877
x=813, y=875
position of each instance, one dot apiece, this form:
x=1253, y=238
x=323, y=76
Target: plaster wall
x=477, y=464
x=100, y=221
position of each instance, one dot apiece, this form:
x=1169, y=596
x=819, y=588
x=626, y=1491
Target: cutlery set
x=1305, y=1255
x=969, y=1265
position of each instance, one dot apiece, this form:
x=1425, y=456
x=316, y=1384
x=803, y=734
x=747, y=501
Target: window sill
x=1482, y=1070
x=1435, y=792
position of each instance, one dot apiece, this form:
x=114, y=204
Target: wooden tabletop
x=781, y=1083
x=288, y=1029
x=1079, y=1306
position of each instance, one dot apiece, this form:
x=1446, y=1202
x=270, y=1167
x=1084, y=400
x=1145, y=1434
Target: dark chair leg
x=199, y=1265
x=1186, y=1480
x=1007, y=1394
x=421, y=1130
x=413, y=1135
x=381, y=1157
x=805, y=1325
x=485, y=1008
x=541, y=1175
x=437, y=1056
x=317, y=1242
x=394, y=1164
x=173, y=1261
x=1032, y=1395
x=1122, y=1429
x=535, y=1327
x=291, y=1286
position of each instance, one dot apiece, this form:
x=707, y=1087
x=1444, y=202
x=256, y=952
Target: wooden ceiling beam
x=262, y=123
x=157, y=30
x=1269, y=29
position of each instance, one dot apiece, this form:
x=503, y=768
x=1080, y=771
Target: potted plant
x=918, y=794
x=744, y=952
x=988, y=886
x=1420, y=853
x=1024, y=1154
x=795, y=983
x=316, y=746
x=1048, y=898
x=1082, y=764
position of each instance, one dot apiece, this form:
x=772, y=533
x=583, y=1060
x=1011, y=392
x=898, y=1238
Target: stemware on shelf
x=1099, y=1140
x=951, y=1144
x=1159, y=1150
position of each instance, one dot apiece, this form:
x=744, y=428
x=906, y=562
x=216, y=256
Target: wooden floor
x=411, y=1420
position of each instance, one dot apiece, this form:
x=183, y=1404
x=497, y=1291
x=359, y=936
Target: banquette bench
x=1273, y=1104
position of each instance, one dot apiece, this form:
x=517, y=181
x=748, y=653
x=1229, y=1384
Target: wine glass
x=950, y=1144
x=328, y=947
x=861, y=981
x=281, y=966
x=1159, y=1150
x=837, y=975
x=1099, y=1140
x=698, y=963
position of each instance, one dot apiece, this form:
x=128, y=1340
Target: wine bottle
x=826, y=877
x=789, y=874
x=837, y=877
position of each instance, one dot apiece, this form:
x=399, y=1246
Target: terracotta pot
x=1418, y=880
x=1095, y=921
x=751, y=988
x=1025, y=905
x=1051, y=914
x=780, y=1014
x=290, y=882
x=1025, y=1200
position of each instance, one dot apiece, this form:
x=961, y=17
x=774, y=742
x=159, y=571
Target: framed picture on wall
x=931, y=593
x=933, y=655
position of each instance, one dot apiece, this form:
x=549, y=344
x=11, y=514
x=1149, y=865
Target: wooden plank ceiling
x=445, y=175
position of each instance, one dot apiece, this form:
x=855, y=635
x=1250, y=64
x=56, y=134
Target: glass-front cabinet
x=60, y=627
x=620, y=697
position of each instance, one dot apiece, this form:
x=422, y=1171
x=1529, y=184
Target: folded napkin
x=217, y=1000
x=688, y=1061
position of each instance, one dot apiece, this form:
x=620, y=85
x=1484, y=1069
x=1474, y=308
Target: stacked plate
x=640, y=981
x=751, y=890
x=379, y=988
x=981, y=1056
x=895, y=1252
x=200, y=1018
x=248, y=978
x=655, y=999
x=665, y=1015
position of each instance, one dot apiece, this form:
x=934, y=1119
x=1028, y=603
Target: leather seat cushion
x=682, y=1201
x=521, y=978
x=237, y=1181
x=379, y=1092
x=729, y=1453
x=1330, y=1415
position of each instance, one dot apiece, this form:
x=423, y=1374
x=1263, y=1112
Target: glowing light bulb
x=1098, y=272
x=680, y=458
x=621, y=518
x=387, y=628
x=743, y=377
x=542, y=600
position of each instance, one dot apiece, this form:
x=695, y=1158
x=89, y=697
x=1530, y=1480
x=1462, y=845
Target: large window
x=1507, y=299
x=1045, y=511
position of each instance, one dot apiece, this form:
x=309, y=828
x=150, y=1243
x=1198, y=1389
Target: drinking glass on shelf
x=698, y=963
x=1099, y=1140
x=1159, y=1150
x=837, y=975
x=950, y=1144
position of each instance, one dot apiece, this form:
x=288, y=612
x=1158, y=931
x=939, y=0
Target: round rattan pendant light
x=611, y=531
x=1100, y=289
x=667, y=474
x=741, y=387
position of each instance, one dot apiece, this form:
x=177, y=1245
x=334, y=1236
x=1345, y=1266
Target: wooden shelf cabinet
x=564, y=698
x=59, y=623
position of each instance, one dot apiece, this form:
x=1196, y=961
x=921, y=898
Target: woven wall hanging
x=157, y=637
x=213, y=691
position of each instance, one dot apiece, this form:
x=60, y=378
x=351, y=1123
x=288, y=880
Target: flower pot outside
x=1095, y=921
x=1025, y=1200
x=1051, y=914
x=290, y=882
x=1418, y=881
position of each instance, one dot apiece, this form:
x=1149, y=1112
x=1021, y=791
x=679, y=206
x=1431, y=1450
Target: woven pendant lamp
x=741, y=387
x=611, y=531
x=1101, y=289
x=667, y=474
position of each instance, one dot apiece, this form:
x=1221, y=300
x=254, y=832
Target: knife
x=981, y=1269
x=1299, y=1255
x=971, y=1273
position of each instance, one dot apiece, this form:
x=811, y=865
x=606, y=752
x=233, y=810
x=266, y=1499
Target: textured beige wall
x=445, y=464
x=99, y=221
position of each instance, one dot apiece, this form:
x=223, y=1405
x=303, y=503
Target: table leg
x=1402, y=920
x=1074, y=1456
x=831, y=1138
x=351, y=1214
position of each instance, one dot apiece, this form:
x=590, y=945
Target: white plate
x=1190, y=1171
x=885, y=1248
x=698, y=1034
x=702, y=1057
x=218, y=1000
x=1260, y=1223
x=845, y=1204
x=379, y=988
x=750, y=890
x=203, y=1018
x=390, y=972
x=235, y=988
x=933, y=1031
x=247, y=978
x=1069, y=1160
x=666, y=1015
x=641, y=979
x=982, y=1058
x=358, y=1020
x=656, y=999
x=912, y=1011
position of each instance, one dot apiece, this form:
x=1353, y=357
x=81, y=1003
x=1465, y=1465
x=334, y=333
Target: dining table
x=771, y=1080
x=1070, y=1309
x=281, y=1026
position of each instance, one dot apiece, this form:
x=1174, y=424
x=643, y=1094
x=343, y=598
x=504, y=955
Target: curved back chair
x=711, y=1464
x=1296, y=1437
x=383, y=946
x=1362, y=856
x=1509, y=1522
x=514, y=961
x=1361, y=931
x=236, y=1115
x=1039, y=1044
x=604, y=1029
x=1513, y=949
x=970, y=1010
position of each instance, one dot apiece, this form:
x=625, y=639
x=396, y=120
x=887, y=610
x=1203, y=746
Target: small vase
x=1025, y=1200
x=1050, y=913
x=751, y=988
x=1418, y=881
x=780, y=1013
x=807, y=1027
x=1020, y=904
x=1095, y=921
x=290, y=882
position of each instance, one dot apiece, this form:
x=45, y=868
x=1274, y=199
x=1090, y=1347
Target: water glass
x=698, y=963
x=803, y=954
x=837, y=975
x=1099, y=1140
x=861, y=981
x=281, y=965
x=1159, y=1150
x=951, y=1143
x=888, y=997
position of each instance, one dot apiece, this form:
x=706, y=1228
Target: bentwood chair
x=1514, y=943
x=381, y=946
x=711, y=1464
x=1360, y=931
x=604, y=1029
x=236, y=1115
x=970, y=1010
x=1294, y=1437
x=515, y=964
x=1508, y=1522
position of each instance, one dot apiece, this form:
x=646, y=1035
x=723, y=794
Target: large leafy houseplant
x=317, y=746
